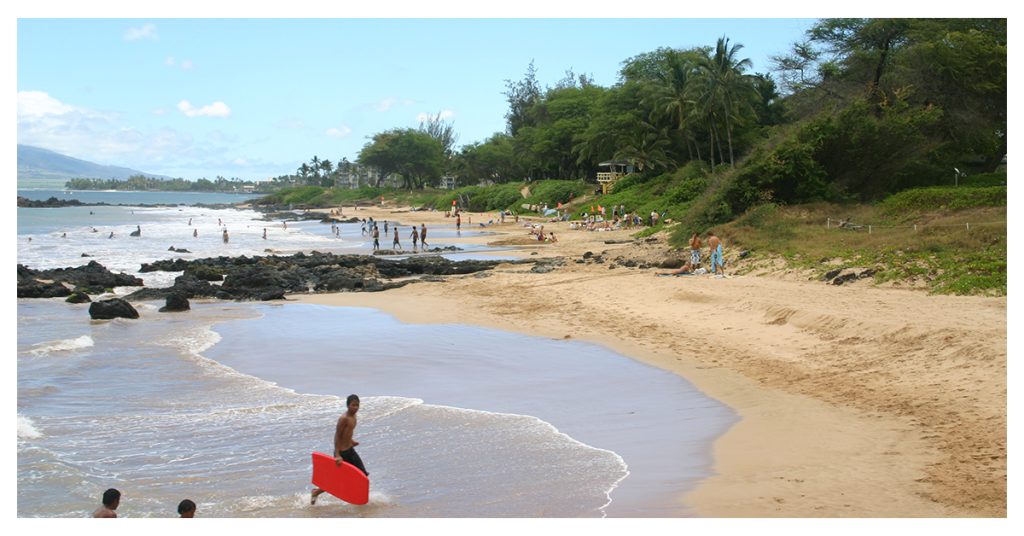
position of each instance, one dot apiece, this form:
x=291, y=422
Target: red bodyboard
x=344, y=481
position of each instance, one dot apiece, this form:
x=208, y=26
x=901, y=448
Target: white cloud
x=186, y=65
x=217, y=109
x=169, y=61
x=102, y=137
x=339, y=132
x=146, y=31
x=423, y=117
x=44, y=121
x=40, y=104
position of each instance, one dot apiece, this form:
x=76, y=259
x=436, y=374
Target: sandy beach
x=855, y=401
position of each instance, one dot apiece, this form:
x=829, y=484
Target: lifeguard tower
x=611, y=171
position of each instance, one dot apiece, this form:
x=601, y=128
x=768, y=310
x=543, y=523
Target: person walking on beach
x=396, y=244
x=715, y=247
x=187, y=509
x=695, y=250
x=415, y=236
x=423, y=235
x=344, y=445
x=376, y=238
x=111, y=500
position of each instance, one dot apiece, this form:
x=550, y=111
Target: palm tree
x=327, y=166
x=646, y=148
x=315, y=168
x=673, y=96
x=726, y=93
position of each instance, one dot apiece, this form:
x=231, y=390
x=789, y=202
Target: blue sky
x=254, y=98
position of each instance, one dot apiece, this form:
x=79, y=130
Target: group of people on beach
x=597, y=220
x=715, y=257
x=418, y=236
x=112, y=499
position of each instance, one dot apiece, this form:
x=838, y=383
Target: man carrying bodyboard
x=344, y=446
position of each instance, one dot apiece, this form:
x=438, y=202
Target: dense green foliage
x=859, y=110
x=143, y=183
x=415, y=155
x=944, y=198
x=299, y=195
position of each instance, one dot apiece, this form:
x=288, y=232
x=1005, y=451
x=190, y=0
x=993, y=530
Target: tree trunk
x=728, y=134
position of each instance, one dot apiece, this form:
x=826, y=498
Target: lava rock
x=112, y=308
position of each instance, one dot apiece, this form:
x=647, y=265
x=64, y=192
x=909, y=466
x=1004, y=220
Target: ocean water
x=136, y=198
x=224, y=404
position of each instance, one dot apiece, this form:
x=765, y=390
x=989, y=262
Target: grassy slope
x=944, y=253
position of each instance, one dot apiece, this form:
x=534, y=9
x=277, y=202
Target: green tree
x=413, y=154
x=521, y=96
x=726, y=93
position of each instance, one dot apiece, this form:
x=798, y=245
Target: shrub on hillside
x=944, y=197
x=553, y=192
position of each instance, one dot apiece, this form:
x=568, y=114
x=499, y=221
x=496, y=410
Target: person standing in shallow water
x=111, y=500
x=415, y=236
x=396, y=244
x=376, y=238
x=344, y=445
x=423, y=235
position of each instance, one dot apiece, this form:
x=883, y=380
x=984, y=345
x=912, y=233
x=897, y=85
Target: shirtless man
x=111, y=499
x=715, y=247
x=423, y=235
x=344, y=446
x=695, y=250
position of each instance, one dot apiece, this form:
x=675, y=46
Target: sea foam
x=27, y=429
x=64, y=345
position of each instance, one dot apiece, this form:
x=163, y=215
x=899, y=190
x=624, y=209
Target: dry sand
x=855, y=401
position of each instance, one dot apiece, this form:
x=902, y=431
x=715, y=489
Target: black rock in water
x=271, y=277
x=112, y=308
x=92, y=278
x=176, y=301
x=78, y=297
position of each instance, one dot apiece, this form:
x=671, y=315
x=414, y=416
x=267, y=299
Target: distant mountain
x=43, y=168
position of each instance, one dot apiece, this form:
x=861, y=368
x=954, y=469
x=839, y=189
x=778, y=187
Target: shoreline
x=907, y=390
